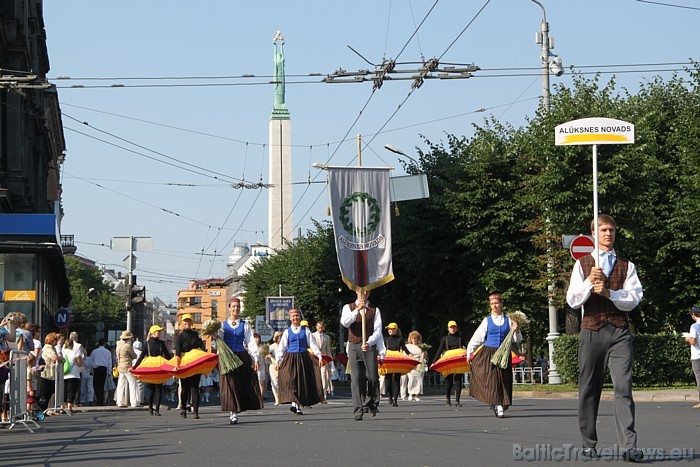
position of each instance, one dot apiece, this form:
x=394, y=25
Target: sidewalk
x=660, y=395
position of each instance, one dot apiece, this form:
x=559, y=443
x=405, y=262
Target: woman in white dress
x=415, y=376
x=274, y=369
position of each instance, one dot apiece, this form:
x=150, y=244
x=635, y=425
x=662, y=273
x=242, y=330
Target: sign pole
x=595, y=204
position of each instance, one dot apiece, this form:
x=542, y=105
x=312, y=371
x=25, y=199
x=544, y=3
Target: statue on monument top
x=279, y=71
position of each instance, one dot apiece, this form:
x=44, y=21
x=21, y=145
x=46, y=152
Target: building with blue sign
x=33, y=278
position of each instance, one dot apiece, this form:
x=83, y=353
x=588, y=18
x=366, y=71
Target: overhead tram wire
x=534, y=69
x=167, y=211
x=152, y=150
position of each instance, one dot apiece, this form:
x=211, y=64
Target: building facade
x=204, y=300
x=33, y=277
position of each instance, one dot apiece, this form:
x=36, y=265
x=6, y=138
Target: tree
x=92, y=306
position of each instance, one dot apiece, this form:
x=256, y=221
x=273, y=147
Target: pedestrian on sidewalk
x=693, y=338
x=606, y=290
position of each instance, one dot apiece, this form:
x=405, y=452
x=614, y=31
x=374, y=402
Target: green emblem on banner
x=374, y=214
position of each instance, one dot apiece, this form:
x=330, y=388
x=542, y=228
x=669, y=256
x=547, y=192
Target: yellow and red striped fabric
x=452, y=362
x=397, y=362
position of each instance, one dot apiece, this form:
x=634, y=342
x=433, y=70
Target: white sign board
x=265, y=330
x=587, y=131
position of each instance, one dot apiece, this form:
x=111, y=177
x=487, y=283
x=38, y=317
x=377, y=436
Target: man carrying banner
x=362, y=229
x=362, y=356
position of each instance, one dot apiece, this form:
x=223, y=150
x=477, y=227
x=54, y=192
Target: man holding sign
x=606, y=289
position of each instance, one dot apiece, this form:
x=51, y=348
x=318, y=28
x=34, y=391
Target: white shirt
x=248, y=338
x=625, y=299
x=695, y=349
x=349, y=316
x=284, y=342
x=101, y=357
x=479, y=336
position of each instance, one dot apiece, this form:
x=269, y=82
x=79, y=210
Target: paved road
x=424, y=433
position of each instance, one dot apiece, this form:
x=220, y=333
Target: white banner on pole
x=359, y=198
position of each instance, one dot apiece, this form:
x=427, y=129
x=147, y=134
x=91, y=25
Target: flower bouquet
x=503, y=357
x=228, y=361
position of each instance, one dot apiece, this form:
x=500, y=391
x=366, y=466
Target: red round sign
x=581, y=246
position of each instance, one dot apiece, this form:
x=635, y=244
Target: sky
x=162, y=119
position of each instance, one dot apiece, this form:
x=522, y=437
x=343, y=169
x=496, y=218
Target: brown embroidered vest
x=598, y=310
x=355, y=329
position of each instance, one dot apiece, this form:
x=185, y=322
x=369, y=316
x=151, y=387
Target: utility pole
x=130, y=244
x=553, y=66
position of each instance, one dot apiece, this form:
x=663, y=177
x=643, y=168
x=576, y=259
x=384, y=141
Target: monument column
x=280, y=224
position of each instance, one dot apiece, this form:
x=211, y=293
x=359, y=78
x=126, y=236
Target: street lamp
x=398, y=151
x=554, y=65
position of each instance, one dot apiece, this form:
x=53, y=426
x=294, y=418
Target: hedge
x=658, y=360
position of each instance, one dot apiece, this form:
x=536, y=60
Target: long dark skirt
x=490, y=384
x=240, y=390
x=299, y=380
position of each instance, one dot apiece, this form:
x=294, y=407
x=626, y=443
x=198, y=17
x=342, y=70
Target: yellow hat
x=304, y=323
x=186, y=316
x=155, y=328
x=392, y=326
x=452, y=323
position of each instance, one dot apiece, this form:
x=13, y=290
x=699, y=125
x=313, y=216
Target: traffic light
x=138, y=294
x=135, y=294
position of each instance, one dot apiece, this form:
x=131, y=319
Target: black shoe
x=183, y=414
x=374, y=411
x=156, y=413
x=589, y=453
x=293, y=409
x=457, y=404
x=365, y=409
x=150, y=411
x=196, y=416
x=633, y=455
x=395, y=404
x=358, y=416
x=299, y=412
x=448, y=403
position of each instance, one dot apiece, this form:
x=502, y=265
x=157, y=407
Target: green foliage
x=658, y=360
x=91, y=307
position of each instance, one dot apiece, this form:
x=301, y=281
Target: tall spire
x=279, y=110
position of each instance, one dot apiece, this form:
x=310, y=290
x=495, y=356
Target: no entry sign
x=581, y=246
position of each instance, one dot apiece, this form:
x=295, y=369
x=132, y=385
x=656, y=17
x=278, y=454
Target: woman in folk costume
x=239, y=389
x=490, y=384
x=155, y=354
x=299, y=379
x=394, y=342
x=452, y=341
x=186, y=341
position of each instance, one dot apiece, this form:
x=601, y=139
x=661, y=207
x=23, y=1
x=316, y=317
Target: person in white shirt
x=299, y=381
x=324, y=345
x=490, y=384
x=239, y=389
x=606, y=291
x=693, y=338
x=362, y=356
x=102, y=363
